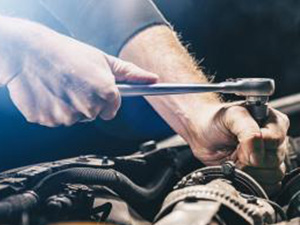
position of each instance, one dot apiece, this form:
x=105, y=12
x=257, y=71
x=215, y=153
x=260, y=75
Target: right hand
x=55, y=80
x=227, y=131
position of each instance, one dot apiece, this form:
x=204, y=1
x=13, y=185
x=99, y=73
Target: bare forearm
x=158, y=50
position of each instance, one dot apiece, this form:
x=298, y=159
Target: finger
x=65, y=115
x=109, y=98
x=283, y=118
x=39, y=104
x=240, y=123
x=274, y=157
x=88, y=105
x=23, y=98
x=130, y=73
x=251, y=151
x=275, y=130
x=113, y=103
x=85, y=96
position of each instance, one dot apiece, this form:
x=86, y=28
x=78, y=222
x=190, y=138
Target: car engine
x=162, y=184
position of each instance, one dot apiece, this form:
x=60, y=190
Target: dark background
x=242, y=38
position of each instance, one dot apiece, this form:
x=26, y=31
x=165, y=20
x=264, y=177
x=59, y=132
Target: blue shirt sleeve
x=105, y=24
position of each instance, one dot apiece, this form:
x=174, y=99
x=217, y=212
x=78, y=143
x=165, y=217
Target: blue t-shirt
x=107, y=25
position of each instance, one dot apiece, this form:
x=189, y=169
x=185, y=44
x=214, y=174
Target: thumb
x=130, y=73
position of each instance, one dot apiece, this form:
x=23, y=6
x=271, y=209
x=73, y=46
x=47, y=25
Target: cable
x=118, y=182
x=278, y=210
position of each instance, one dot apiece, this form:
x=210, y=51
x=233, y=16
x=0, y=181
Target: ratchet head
x=255, y=87
x=257, y=92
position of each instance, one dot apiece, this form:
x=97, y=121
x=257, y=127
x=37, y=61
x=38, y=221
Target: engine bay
x=162, y=183
x=153, y=186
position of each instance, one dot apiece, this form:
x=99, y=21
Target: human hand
x=55, y=80
x=228, y=132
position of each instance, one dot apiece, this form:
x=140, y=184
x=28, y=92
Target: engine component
x=237, y=208
x=240, y=180
x=74, y=202
x=96, y=188
x=289, y=196
x=293, y=210
x=292, y=161
x=230, y=189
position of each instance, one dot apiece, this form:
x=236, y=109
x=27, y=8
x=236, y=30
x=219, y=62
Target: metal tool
x=256, y=91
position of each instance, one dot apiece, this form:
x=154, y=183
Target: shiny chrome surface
x=242, y=87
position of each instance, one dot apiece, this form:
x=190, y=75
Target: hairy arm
x=216, y=131
x=158, y=49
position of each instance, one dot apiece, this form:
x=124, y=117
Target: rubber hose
x=118, y=182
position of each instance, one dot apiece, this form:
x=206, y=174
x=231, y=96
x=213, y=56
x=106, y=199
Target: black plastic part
x=133, y=194
x=259, y=112
x=293, y=210
x=290, y=186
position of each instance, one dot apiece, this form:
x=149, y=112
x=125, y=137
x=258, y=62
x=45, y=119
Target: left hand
x=228, y=132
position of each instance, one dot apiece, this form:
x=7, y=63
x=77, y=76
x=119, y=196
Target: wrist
x=197, y=113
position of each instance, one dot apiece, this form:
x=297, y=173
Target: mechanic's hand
x=55, y=80
x=228, y=132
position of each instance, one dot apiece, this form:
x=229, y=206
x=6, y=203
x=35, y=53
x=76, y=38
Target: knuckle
x=124, y=65
x=67, y=124
x=130, y=66
x=108, y=115
x=29, y=115
x=277, y=136
x=283, y=119
x=112, y=94
x=48, y=121
x=109, y=112
x=237, y=110
x=62, y=115
x=92, y=111
x=31, y=119
x=276, y=140
x=70, y=121
x=286, y=120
